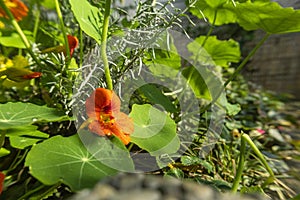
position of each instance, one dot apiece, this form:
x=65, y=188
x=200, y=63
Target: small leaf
x=154, y=130
x=66, y=160
x=13, y=115
x=14, y=40
x=22, y=137
x=232, y=109
x=88, y=17
x=4, y=152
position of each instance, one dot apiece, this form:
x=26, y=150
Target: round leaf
x=154, y=130
x=66, y=160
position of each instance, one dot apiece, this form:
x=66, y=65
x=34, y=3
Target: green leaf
x=222, y=52
x=194, y=160
x=50, y=4
x=232, y=109
x=214, y=11
x=156, y=96
x=4, y=152
x=88, y=17
x=113, y=152
x=66, y=160
x=268, y=16
x=21, y=114
x=14, y=40
x=154, y=130
x=22, y=137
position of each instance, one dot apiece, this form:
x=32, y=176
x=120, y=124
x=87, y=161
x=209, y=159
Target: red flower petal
x=2, y=177
x=102, y=101
x=32, y=75
x=18, y=9
x=73, y=43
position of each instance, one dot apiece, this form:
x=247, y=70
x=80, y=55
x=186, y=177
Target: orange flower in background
x=103, y=109
x=2, y=177
x=73, y=44
x=18, y=9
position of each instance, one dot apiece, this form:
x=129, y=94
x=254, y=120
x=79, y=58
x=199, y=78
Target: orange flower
x=103, y=109
x=20, y=74
x=2, y=177
x=18, y=9
x=72, y=41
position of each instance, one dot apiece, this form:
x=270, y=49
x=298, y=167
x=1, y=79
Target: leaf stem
x=240, y=166
x=61, y=21
x=245, y=138
x=20, y=32
x=2, y=138
x=211, y=28
x=103, y=45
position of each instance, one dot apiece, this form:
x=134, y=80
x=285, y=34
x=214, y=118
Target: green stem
x=103, y=45
x=20, y=32
x=81, y=47
x=28, y=194
x=259, y=154
x=61, y=21
x=210, y=29
x=36, y=23
x=240, y=166
x=237, y=71
x=242, y=65
x=245, y=138
x=2, y=138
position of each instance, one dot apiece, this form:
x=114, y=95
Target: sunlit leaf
x=66, y=160
x=4, y=152
x=13, y=115
x=214, y=11
x=14, y=40
x=268, y=16
x=232, y=109
x=88, y=17
x=221, y=52
x=154, y=130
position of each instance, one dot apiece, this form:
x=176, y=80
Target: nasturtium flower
x=18, y=9
x=73, y=44
x=105, y=117
x=2, y=177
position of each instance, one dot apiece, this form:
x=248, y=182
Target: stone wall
x=276, y=65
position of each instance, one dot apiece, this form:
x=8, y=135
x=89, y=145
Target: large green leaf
x=222, y=52
x=214, y=11
x=154, y=130
x=13, y=115
x=66, y=160
x=21, y=137
x=268, y=16
x=88, y=17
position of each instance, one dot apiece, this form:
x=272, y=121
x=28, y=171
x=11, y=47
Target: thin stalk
x=81, y=47
x=245, y=138
x=211, y=28
x=239, y=171
x=259, y=154
x=36, y=23
x=20, y=32
x=237, y=71
x=61, y=21
x=2, y=138
x=103, y=45
x=28, y=194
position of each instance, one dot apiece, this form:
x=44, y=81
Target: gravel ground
x=150, y=187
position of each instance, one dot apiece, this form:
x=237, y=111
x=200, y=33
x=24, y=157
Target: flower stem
x=2, y=138
x=240, y=166
x=61, y=21
x=20, y=32
x=210, y=29
x=245, y=138
x=103, y=45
